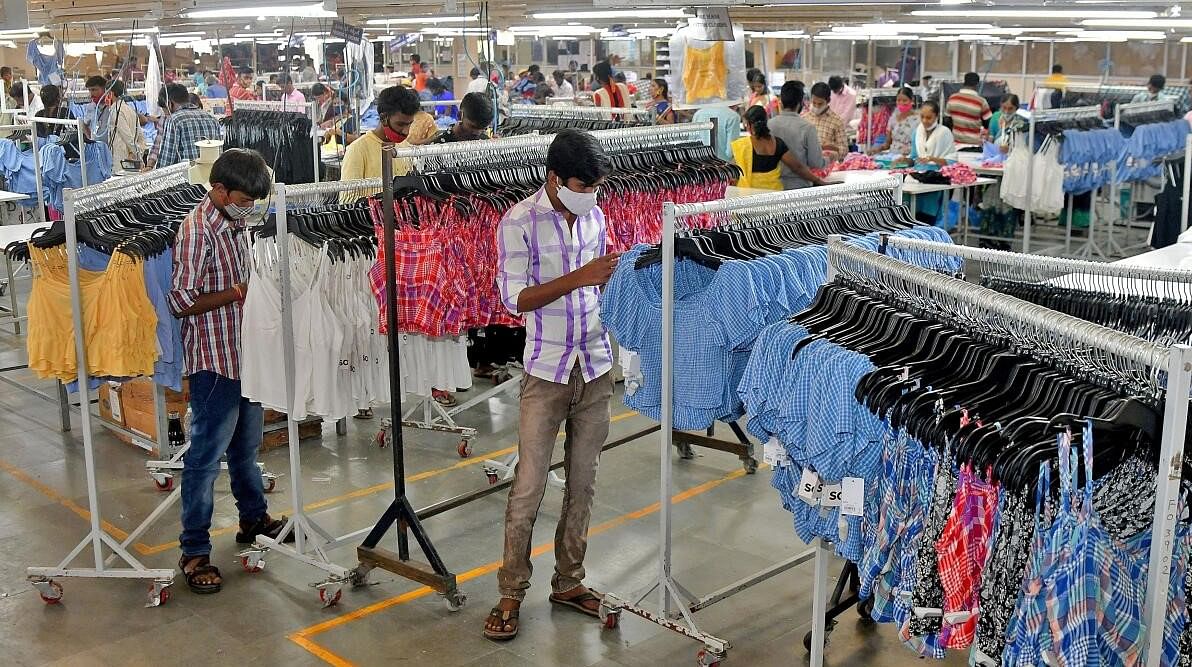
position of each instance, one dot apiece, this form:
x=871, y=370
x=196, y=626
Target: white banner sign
x=712, y=25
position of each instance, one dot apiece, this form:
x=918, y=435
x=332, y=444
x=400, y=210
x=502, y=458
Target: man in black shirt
x=475, y=117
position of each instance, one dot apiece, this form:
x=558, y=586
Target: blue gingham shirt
x=182, y=129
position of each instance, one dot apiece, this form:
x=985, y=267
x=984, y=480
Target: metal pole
x=1030, y=186
x=82, y=154
x=314, y=139
x=287, y=332
x=1175, y=416
x=667, y=414
x=1166, y=55
x=1187, y=183
x=1050, y=55
x=41, y=197
x=76, y=308
x=399, y=460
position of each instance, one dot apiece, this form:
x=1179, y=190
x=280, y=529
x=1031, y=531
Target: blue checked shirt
x=182, y=129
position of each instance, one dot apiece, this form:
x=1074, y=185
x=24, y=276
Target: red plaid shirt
x=210, y=254
x=238, y=92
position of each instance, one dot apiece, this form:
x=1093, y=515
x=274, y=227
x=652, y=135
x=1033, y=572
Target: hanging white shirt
x=941, y=143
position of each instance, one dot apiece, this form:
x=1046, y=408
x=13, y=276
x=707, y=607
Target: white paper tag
x=631, y=363
x=852, y=497
x=810, y=487
x=774, y=454
x=114, y=401
x=830, y=496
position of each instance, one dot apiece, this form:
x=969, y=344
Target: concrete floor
x=727, y=525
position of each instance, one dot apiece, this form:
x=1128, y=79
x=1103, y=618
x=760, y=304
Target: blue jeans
x=222, y=422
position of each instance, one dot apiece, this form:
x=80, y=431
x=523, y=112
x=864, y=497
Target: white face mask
x=579, y=203
x=819, y=111
x=928, y=128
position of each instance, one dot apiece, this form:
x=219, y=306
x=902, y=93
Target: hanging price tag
x=631, y=363
x=830, y=496
x=774, y=454
x=810, y=487
x=852, y=497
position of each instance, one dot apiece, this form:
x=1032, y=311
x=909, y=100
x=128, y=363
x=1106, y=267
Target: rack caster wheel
x=330, y=596
x=159, y=593
x=749, y=464
x=686, y=451
x=464, y=449
x=49, y=590
x=708, y=658
x=827, y=636
x=269, y=481
x=383, y=436
x=358, y=576
x=252, y=562
x=455, y=601
x=163, y=481
x=611, y=620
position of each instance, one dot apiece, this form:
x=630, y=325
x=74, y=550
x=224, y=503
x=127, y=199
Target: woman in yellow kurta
x=760, y=155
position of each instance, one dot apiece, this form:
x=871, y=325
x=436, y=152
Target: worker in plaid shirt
x=186, y=125
x=210, y=280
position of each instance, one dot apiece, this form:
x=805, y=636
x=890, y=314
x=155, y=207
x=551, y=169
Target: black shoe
x=267, y=526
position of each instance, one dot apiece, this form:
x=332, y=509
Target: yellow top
x=704, y=73
x=762, y=180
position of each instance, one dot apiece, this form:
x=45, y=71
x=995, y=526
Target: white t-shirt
x=478, y=85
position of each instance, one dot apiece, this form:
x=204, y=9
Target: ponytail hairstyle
x=759, y=121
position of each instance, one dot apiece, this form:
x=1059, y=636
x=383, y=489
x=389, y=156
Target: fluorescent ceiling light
x=924, y=27
x=423, y=19
x=141, y=31
x=613, y=14
x=1127, y=34
x=864, y=38
x=941, y=38
x=314, y=10
x=257, y=35
x=1027, y=14
x=568, y=29
x=453, y=32
x=1139, y=23
x=653, y=32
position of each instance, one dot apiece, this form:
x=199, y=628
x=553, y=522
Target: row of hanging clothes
x=1041, y=186
x=548, y=120
x=1150, y=137
x=283, y=138
x=341, y=361
x=1149, y=306
x=1003, y=501
x=733, y=277
x=125, y=259
x=60, y=167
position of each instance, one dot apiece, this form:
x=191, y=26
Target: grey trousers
x=545, y=406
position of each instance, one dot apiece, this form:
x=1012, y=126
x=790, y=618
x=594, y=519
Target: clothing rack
x=1045, y=115
x=77, y=202
x=671, y=594
x=309, y=109
x=1116, y=353
x=1120, y=112
x=541, y=111
x=77, y=123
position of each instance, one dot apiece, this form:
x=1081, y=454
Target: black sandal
x=577, y=602
x=202, y=569
x=508, y=618
x=266, y=526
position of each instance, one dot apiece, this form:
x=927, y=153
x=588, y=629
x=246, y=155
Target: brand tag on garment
x=830, y=496
x=906, y=373
x=631, y=363
x=852, y=496
x=810, y=487
x=774, y=454
x=114, y=401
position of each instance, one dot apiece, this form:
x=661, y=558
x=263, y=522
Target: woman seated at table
x=934, y=144
x=760, y=155
x=900, y=133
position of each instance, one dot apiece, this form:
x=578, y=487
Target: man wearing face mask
x=210, y=280
x=551, y=263
x=397, y=107
x=186, y=125
x=828, y=125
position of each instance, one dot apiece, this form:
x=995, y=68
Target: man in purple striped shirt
x=551, y=263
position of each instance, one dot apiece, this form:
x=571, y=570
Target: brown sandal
x=577, y=602
x=508, y=618
x=202, y=569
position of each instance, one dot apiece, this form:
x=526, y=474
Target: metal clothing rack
x=1043, y=116
x=309, y=109
x=77, y=202
x=672, y=595
x=77, y=123
x=1136, y=362
x=541, y=111
x=1121, y=112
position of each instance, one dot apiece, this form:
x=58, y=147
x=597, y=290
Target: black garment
x=764, y=163
x=1169, y=206
x=495, y=345
x=449, y=136
x=69, y=139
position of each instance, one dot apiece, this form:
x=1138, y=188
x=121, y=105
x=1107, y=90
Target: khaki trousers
x=545, y=406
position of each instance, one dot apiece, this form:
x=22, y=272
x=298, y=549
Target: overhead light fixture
x=541, y=29
x=1126, y=34
x=1028, y=14
x=314, y=10
x=423, y=19
x=612, y=14
x=142, y=31
x=923, y=27
x=1138, y=23
x=453, y=32
x=255, y=35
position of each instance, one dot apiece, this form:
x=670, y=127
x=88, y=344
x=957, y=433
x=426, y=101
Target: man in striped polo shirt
x=969, y=111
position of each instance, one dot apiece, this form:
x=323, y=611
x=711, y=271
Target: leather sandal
x=508, y=618
x=202, y=569
x=577, y=602
x=267, y=526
